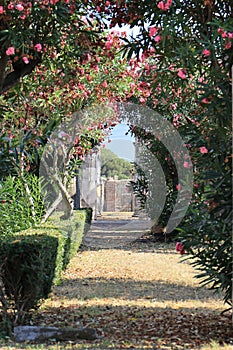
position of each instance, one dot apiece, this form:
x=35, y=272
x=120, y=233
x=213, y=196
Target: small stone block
x=41, y=334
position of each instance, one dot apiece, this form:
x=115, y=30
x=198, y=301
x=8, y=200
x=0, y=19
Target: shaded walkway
x=116, y=230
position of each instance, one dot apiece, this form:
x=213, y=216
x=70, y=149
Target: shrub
x=27, y=269
x=72, y=230
x=88, y=217
x=206, y=232
x=16, y=211
x=31, y=261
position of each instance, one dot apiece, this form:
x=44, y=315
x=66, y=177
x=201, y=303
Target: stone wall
x=117, y=196
x=102, y=195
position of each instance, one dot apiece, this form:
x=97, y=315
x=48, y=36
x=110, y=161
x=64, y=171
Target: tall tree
x=186, y=48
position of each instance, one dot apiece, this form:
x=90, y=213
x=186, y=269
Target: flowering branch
x=21, y=69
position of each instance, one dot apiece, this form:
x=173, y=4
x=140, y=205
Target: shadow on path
x=129, y=289
x=115, y=233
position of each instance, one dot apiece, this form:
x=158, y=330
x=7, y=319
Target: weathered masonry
x=102, y=195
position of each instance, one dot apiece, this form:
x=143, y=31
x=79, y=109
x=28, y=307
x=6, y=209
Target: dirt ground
x=136, y=292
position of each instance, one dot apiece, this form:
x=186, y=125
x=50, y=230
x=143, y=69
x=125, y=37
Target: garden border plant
x=31, y=261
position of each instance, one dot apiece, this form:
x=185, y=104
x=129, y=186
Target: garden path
x=137, y=295
x=116, y=230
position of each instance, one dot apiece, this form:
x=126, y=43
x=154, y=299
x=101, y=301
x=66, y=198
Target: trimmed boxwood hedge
x=88, y=217
x=28, y=264
x=72, y=230
x=32, y=260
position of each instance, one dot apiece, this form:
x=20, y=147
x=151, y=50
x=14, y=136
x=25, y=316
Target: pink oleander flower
x=1, y=10
x=157, y=39
x=181, y=73
x=178, y=187
x=161, y=6
x=25, y=59
x=10, y=51
x=230, y=35
x=19, y=7
x=86, y=58
x=10, y=6
x=109, y=44
x=187, y=165
x=227, y=45
x=104, y=84
x=164, y=6
x=152, y=31
x=180, y=248
x=168, y=4
x=38, y=47
x=220, y=30
x=96, y=67
x=203, y=150
x=205, y=100
x=206, y=52
x=53, y=54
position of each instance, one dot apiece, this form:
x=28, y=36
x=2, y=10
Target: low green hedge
x=28, y=264
x=72, y=230
x=88, y=217
x=32, y=260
